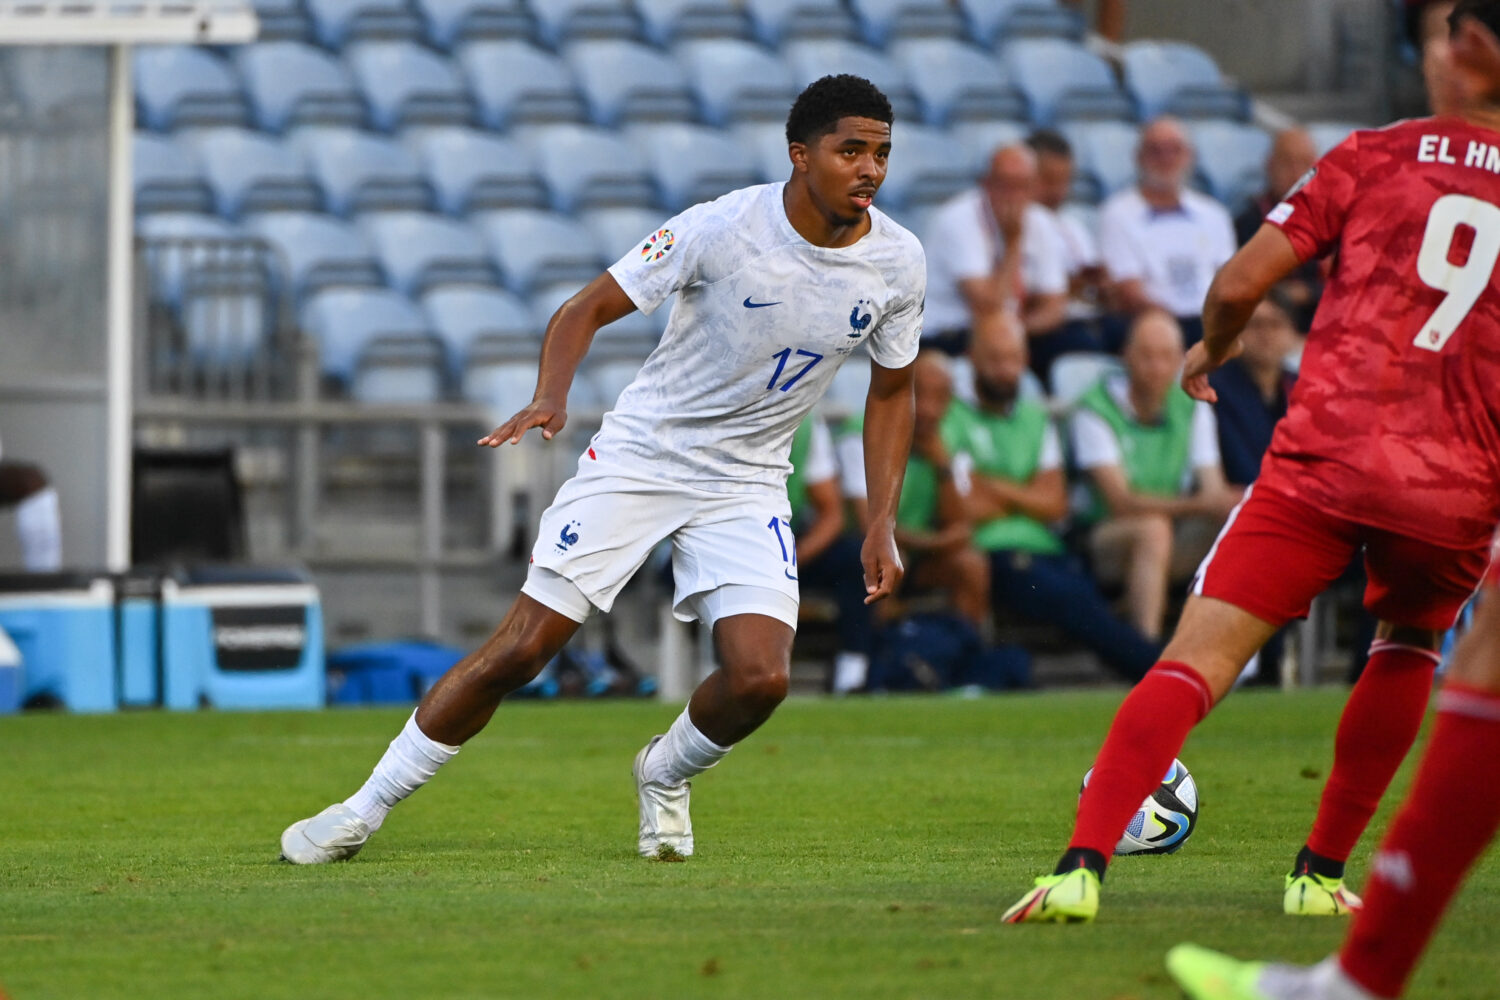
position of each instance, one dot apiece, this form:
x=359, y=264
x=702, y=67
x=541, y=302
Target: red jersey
x=1395, y=420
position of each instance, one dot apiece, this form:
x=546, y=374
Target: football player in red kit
x=1391, y=445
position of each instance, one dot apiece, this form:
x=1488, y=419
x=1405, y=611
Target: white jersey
x=763, y=319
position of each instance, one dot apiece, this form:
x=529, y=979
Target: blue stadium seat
x=669, y=21
x=1064, y=81
x=626, y=81
x=978, y=141
x=451, y=22
x=560, y=21
x=996, y=21
x=618, y=231
x=1175, y=78
x=169, y=270
x=472, y=170
x=534, y=248
x=923, y=168
x=475, y=321
x=515, y=83
x=737, y=81
x=813, y=58
x=633, y=335
x=406, y=84
x=167, y=178
x=215, y=284
x=377, y=343
x=1231, y=159
x=1105, y=152
x=584, y=167
x=765, y=146
x=282, y=21
x=317, y=250
x=1326, y=135
x=884, y=21
x=955, y=82
x=691, y=163
x=780, y=21
x=183, y=85
x=420, y=251
x=251, y=172
x=361, y=172
x=337, y=23
x=503, y=382
x=1077, y=372
x=289, y=83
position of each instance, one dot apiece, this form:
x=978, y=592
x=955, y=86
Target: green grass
x=851, y=849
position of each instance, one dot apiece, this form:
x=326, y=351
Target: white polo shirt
x=1096, y=445
x=962, y=242
x=1175, y=253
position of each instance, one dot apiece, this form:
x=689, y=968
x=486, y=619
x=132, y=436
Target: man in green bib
x=1151, y=455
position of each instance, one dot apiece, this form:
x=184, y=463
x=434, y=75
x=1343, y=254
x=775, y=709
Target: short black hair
x=1047, y=141
x=817, y=110
x=1486, y=12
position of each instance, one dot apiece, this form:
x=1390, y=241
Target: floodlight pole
x=119, y=292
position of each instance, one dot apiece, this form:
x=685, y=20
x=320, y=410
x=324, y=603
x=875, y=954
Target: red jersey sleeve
x=1312, y=214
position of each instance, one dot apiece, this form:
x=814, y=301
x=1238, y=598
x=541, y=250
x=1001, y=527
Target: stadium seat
x=1064, y=81
x=451, y=22
x=289, y=83
x=617, y=231
x=420, y=251
x=182, y=85
x=406, y=84
x=337, y=23
x=956, y=82
x=186, y=240
x=51, y=81
x=1105, y=152
x=609, y=375
x=584, y=167
x=624, y=81
x=883, y=21
x=691, y=163
x=633, y=335
x=533, y=248
x=1179, y=79
x=811, y=59
x=926, y=171
x=996, y=21
x=1231, y=159
x=1326, y=135
x=779, y=21
x=502, y=382
x=560, y=21
x=377, y=343
x=515, y=83
x=360, y=172
x=166, y=177
x=282, y=21
x=251, y=172
x=470, y=320
x=214, y=282
x=1076, y=373
x=737, y=81
x=317, y=251
x=472, y=170
x=978, y=141
x=766, y=146
x=669, y=21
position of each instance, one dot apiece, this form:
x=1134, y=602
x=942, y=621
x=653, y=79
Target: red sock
x=1449, y=817
x=1148, y=730
x=1379, y=725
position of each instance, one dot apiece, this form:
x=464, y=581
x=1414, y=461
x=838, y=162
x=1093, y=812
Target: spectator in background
x=1152, y=457
x=1110, y=18
x=994, y=248
x=1161, y=242
x=1253, y=388
x=1292, y=156
x=1008, y=450
x=38, y=515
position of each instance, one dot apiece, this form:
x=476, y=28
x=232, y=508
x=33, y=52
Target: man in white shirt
x=992, y=248
x=776, y=285
x=1161, y=242
x=38, y=514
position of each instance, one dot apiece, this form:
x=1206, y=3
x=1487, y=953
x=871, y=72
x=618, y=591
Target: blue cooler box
x=63, y=626
x=10, y=674
x=138, y=605
x=235, y=637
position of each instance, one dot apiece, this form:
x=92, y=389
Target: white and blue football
x=1165, y=820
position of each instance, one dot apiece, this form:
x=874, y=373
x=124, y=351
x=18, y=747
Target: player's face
x=1054, y=174
x=845, y=167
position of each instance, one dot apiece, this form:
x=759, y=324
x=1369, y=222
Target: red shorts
x=1275, y=554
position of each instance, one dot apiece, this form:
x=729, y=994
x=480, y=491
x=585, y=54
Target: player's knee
x=759, y=682
x=511, y=661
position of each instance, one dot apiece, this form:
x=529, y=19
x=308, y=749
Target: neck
x=1484, y=115
x=1147, y=408
x=1267, y=378
x=1161, y=198
x=813, y=225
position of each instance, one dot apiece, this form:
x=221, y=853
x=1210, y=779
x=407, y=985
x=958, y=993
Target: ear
x=798, y=153
x=1476, y=49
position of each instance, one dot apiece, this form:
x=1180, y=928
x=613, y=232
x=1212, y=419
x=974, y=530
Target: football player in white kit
x=777, y=285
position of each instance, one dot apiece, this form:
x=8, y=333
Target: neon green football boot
x=1070, y=898
x=1208, y=975
x=1310, y=895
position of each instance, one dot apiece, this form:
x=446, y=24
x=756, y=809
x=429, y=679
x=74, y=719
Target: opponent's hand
x=543, y=413
x=1196, y=367
x=882, y=563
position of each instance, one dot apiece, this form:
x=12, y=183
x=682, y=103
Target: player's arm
x=569, y=333
x=887, y=441
x=828, y=519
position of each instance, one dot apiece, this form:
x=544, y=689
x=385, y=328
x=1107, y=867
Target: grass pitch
x=861, y=848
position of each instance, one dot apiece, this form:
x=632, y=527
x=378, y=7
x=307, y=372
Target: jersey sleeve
x=1118, y=250
x=1312, y=214
x=1094, y=443
x=665, y=261
x=895, y=341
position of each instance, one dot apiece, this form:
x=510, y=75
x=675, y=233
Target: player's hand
x=1197, y=366
x=543, y=413
x=882, y=563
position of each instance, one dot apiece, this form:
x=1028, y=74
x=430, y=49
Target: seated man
x=1253, y=388
x=1151, y=455
x=1009, y=449
x=38, y=519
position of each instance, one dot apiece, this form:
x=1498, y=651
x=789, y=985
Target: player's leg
x=38, y=515
x=1138, y=552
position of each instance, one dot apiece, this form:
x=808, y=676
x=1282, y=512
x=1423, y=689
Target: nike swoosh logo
x=758, y=305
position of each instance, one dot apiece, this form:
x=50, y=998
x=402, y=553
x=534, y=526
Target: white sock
x=408, y=764
x=39, y=524
x=850, y=671
x=682, y=753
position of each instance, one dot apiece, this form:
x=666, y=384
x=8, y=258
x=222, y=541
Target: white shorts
x=732, y=553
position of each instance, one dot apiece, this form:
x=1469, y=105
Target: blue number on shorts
x=787, y=556
x=782, y=357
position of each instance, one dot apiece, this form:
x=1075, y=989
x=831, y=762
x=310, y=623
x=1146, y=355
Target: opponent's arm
x=569, y=333
x=887, y=439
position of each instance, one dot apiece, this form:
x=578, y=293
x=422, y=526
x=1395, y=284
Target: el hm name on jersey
x=1479, y=155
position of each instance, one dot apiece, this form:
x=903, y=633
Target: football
x=1165, y=820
